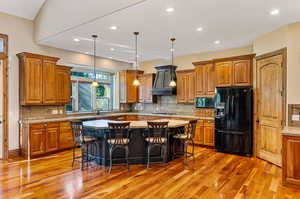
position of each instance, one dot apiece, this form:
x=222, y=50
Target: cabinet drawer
x=37, y=126
x=65, y=124
x=52, y=124
x=209, y=123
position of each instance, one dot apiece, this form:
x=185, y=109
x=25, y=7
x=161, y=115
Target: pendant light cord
x=136, y=52
x=95, y=37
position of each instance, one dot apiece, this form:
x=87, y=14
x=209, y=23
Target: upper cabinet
x=145, y=88
x=186, y=86
x=40, y=81
x=205, y=79
x=234, y=71
x=128, y=92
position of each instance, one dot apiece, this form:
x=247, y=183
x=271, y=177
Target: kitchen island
x=137, y=146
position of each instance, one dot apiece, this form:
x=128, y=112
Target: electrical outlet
x=295, y=117
x=54, y=111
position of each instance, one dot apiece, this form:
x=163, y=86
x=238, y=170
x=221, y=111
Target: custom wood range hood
x=164, y=75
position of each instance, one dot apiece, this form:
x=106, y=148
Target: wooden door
x=242, y=73
x=49, y=82
x=52, y=135
x=37, y=139
x=132, y=90
x=123, y=87
x=199, y=81
x=190, y=87
x=181, y=88
x=33, y=81
x=142, y=89
x=63, y=85
x=270, y=108
x=223, y=74
x=65, y=136
x=291, y=161
x=209, y=80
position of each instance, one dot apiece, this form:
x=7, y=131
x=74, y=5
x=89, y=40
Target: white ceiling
x=234, y=22
x=22, y=8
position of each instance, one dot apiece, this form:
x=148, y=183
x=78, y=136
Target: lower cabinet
x=205, y=133
x=50, y=137
x=291, y=161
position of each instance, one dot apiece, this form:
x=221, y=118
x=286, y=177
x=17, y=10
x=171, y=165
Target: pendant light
x=172, y=82
x=136, y=82
x=95, y=83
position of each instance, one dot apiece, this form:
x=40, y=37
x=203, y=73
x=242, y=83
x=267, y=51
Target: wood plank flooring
x=211, y=176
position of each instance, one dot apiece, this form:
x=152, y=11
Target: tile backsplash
x=32, y=112
x=165, y=104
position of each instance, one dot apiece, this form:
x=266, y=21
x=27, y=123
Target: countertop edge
x=291, y=131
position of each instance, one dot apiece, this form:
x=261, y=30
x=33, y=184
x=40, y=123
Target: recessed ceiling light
x=199, y=29
x=274, y=12
x=86, y=52
x=113, y=27
x=76, y=39
x=217, y=42
x=170, y=9
x=112, y=49
x=110, y=57
x=172, y=49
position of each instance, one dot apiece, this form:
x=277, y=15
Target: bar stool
x=157, y=136
x=118, y=137
x=186, y=136
x=82, y=141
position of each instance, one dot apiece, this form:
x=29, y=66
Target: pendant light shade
x=172, y=82
x=95, y=83
x=136, y=82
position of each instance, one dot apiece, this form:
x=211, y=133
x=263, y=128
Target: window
x=85, y=97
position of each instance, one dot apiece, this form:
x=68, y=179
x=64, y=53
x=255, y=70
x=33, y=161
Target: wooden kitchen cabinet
x=65, y=136
x=40, y=81
x=128, y=92
x=242, y=72
x=205, y=133
x=186, y=86
x=204, y=79
x=145, y=88
x=63, y=84
x=291, y=161
x=37, y=139
x=52, y=133
x=224, y=75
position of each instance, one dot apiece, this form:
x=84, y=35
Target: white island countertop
x=103, y=124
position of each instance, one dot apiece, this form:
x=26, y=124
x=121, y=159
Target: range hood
x=163, y=78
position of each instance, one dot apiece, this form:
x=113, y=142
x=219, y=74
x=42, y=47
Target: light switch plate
x=54, y=111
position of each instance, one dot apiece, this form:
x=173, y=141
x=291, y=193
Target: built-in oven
x=205, y=102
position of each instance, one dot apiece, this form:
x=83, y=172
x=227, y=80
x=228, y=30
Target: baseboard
x=14, y=153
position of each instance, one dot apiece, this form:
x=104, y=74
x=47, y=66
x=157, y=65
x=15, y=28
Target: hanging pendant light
x=95, y=83
x=172, y=82
x=136, y=82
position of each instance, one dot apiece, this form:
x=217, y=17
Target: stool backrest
x=118, y=131
x=190, y=129
x=77, y=131
x=157, y=131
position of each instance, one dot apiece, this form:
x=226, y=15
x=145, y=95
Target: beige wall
x=185, y=62
x=21, y=38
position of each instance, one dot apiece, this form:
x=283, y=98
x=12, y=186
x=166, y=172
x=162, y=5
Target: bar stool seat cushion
x=87, y=139
x=119, y=141
x=181, y=136
x=156, y=140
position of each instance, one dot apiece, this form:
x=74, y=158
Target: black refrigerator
x=233, y=120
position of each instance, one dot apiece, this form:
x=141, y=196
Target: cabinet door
x=209, y=80
x=49, y=82
x=33, y=80
x=199, y=137
x=209, y=133
x=191, y=88
x=37, y=140
x=123, y=87
x=63, y=86
x=224, y=74
x=181, y=88
x=242, y=73
x=199, y=81
x=131, y=89
x=291, y=161
x=52, y=134
x=65, y=136
x=142, y=89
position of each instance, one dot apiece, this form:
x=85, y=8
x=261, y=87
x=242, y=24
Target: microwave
x=205, y=102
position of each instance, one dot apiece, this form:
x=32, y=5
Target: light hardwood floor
x=212, y=176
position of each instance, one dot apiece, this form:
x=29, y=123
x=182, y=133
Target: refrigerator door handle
x=227, y=106
x=232, y=106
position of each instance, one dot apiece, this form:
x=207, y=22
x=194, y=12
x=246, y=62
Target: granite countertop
x=291, y=131
x=103, y=124
x=74, y=117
